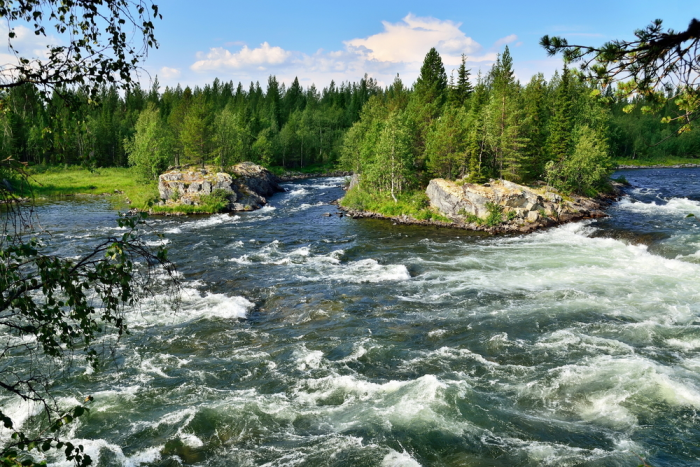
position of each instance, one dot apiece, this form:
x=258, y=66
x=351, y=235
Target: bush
x=586, y=170
x=495, y=216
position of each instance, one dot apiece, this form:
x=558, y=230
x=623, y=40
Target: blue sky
x=323, y=41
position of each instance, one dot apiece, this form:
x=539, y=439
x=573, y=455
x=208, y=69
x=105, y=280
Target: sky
x=320, y=41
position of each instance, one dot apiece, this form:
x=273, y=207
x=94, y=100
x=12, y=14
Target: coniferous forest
x=565, y=130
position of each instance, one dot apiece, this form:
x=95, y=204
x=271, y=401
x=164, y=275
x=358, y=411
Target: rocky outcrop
x=503, y=206
x=246, y=187
x=499, y=207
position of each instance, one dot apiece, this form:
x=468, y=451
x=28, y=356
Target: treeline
x=218, y=124
x=498, y=128
x=490, y=126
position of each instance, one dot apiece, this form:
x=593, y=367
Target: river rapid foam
x=312, y=340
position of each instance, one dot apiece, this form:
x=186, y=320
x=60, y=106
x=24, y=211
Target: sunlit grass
x=58, y=182
x=414, y=204
x=657, y=161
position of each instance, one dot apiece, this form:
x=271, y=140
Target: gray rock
x=247, y=186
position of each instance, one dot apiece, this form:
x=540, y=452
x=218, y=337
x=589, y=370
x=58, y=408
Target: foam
x=399, y=459
x=612, y=387
x=213, y=220
x=157, y=311
x=674, y=206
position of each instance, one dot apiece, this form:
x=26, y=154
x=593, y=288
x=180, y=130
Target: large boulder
x=459, y=200
x=247, y=185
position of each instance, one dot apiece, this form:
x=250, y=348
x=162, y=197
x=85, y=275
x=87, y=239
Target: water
x=309, y=340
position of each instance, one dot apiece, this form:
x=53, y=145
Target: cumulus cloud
x=398, y=48
x=169, y=73
x=26, y=44
x=219, y=58
x=411, y=38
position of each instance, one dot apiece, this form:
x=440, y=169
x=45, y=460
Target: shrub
x=495, y=216
x=586, y=170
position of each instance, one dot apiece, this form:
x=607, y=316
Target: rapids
x=309, y=340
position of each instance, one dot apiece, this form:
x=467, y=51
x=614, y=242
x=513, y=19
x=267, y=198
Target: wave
x=674, y=206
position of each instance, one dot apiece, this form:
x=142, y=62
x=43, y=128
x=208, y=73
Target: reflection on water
x=311, y=340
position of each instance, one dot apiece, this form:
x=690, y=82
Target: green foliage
x=217, y=201
x=460, y=91
x=495, y=214
x=644, y=67
x=587, y=169
x=445, y=145
x=149, y=149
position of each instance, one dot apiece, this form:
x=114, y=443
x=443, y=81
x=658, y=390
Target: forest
x=565, y=130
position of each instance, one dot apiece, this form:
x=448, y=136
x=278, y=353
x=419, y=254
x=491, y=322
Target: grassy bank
x=657, y=161
x=414, y=204
x=56, y=182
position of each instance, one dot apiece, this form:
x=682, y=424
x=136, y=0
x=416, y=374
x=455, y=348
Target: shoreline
x=660, y=166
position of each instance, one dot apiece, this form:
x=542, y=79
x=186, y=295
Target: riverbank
x=671, y=166
x=666, y=163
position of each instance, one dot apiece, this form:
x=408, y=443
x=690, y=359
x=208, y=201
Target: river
x=312, y=340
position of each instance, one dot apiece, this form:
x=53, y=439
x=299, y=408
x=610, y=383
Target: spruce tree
x=535, y=118
x=461, y=89
x=504, y=116
x=431, y=86
x=561, y=122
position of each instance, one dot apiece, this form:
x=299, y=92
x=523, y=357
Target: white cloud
x=411, y=38
x=169, y=73
x=26, y=44
x=506, y=40
x=219, y=58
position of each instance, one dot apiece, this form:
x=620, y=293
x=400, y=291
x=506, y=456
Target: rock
x=247, y=185
x=459, y=201
x=524, y=208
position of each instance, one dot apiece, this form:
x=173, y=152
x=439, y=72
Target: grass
x=657, y=161
x=414, y=204
x=57, y=182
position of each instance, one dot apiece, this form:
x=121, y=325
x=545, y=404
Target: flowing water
x=307, y=340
